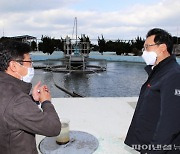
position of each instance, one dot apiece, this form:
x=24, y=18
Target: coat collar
x=163, y=63
x=25, y=87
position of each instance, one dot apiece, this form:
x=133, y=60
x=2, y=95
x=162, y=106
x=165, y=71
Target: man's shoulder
x=11, y=92
x=7, y=87
x=174, y=69
x=173, y=74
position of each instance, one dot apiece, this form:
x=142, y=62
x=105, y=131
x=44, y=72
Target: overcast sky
x=114, y=19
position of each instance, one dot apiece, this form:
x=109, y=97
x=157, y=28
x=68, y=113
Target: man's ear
x=163, y=47
x=13, y=66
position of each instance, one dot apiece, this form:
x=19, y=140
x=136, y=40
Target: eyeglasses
x=22, y=61
x=149, y=45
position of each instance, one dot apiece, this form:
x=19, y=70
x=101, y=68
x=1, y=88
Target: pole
x=76, y=30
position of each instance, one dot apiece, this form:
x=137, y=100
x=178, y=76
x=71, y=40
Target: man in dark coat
x=155, y=127
x=20, y=116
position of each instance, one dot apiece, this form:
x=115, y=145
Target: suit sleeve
x=31, y=118
x=168, y=126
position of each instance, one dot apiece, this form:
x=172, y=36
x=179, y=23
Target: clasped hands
x=41, y=93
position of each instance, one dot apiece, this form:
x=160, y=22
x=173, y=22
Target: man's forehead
x=150, y=38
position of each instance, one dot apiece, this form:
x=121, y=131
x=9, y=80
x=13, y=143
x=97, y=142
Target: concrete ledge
x=107, y=118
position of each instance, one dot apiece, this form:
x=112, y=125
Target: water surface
x=120, y=80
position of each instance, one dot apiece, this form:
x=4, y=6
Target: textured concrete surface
x=107, y=118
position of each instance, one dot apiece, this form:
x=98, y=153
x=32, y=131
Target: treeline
x=121, y=46
x=49, y=45
x=125, y=47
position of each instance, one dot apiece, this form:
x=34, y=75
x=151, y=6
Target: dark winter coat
x=155, y=125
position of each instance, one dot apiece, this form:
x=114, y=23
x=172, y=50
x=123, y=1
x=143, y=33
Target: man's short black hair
x=162, y=37
x=12, y=50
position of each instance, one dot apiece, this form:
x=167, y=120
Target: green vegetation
x=121, y=47
x=49, y=45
